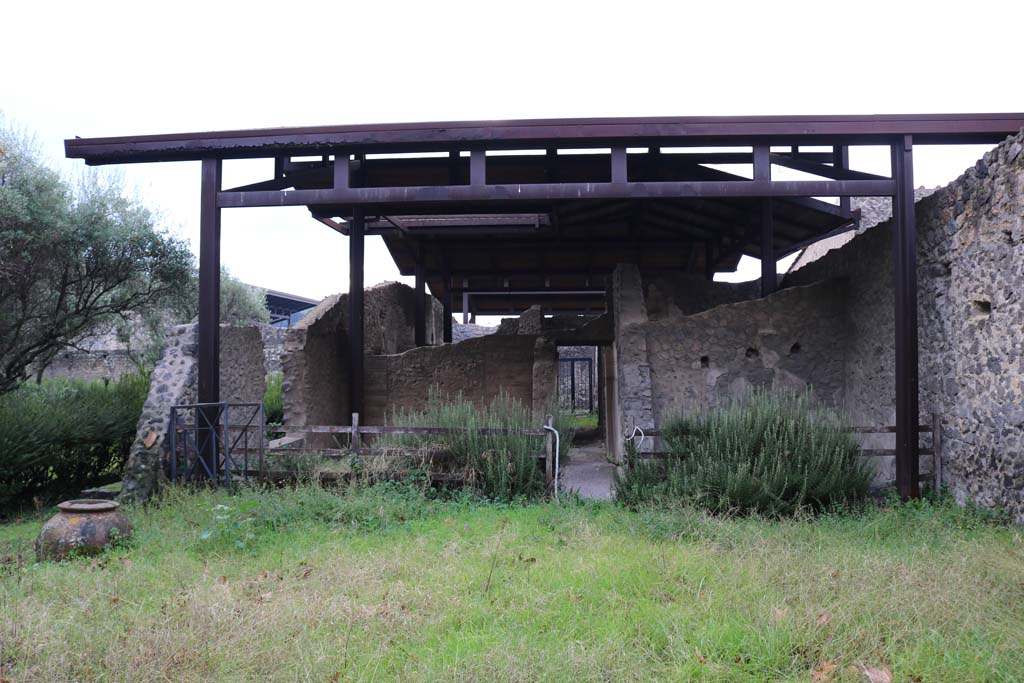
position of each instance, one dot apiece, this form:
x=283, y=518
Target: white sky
x=120, y=68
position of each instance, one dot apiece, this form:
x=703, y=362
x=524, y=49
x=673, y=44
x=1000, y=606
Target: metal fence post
x=174, y=444
x=549, y=459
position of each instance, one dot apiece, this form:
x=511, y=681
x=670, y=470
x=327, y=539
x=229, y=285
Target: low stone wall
x=521, y=366
x=173, y=382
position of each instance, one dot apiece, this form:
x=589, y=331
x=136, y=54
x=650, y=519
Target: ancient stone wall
x=971, y=313
x=91, y=365
x=668, y=295
x=673, y=356
x=315, y=352
x=173, y=382
x=790, y=339
x=524, y=367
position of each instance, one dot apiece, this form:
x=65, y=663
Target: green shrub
x=62, y=435
x=501, y=466
x=273, y=405
x=773, y=453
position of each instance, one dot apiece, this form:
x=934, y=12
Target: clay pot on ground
x=82, y=527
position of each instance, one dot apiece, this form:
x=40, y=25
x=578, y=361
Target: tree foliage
x=73, y=258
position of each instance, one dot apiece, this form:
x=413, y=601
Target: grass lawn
x=381, y=584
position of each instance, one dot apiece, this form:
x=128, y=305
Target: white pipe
x=557, y=449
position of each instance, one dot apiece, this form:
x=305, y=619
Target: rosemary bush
x=774, y=452
x=487, y=446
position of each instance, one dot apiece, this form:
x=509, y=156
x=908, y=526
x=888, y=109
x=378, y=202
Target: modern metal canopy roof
x=506, y=214
x=664, y=131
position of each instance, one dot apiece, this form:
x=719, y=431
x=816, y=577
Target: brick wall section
x=480, y=369
x=314, y=358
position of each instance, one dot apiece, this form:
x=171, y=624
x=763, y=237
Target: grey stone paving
x=588, y=473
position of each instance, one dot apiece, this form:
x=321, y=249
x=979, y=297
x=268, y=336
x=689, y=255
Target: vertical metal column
x=769, y=278
x=208, y=370
x=709, y=260
x=905, y=293
x=357, y=227
x=420, y=304
x=841, y=159
x=446, y=303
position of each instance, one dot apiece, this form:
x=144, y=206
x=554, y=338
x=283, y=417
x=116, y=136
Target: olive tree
x=73, y=258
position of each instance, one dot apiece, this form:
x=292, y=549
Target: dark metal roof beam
x=384, y=198
x=551, y=133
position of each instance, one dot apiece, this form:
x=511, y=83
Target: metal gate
x=225, y=433
x=576, y=383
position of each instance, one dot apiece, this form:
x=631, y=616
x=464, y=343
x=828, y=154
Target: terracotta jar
x=82, y=527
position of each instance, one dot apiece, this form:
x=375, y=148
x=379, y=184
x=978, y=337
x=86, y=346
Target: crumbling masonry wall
x=791, y=339
x=971, y=313
x=524, y=367
x=315, y=354
x=173, y=382
x=675, y=356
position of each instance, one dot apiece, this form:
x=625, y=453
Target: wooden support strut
x=905, y=295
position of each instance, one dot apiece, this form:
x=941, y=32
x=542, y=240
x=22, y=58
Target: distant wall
x=522, y=366
x=673, y=357
x=314, y=358
x=90, y=365
x=790, y=339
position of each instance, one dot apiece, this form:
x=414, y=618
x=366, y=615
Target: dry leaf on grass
x=876, y=675
x=824, y=619
x=778, y=614
x=823, y=673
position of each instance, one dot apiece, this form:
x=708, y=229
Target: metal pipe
x=557, y=448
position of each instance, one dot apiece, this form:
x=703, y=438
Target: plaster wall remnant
x=710, y=358
x=173, y=382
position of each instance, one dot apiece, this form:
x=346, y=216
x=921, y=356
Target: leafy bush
x=501, y=466
x=62, y=435
x=773, y=453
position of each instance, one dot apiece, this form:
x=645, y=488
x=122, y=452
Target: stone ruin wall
x=314, y=357
x=971, y=318
x=173, y=382
x=684, y=344
x=400, y=376
x=788, y=340
x=971, y=285
x=522, y=366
